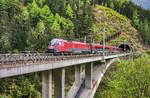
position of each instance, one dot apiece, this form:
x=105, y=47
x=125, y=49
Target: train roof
x=78, y=42
x=69, y=41
x=97, y=45
x=59, y=39
x=82, y=43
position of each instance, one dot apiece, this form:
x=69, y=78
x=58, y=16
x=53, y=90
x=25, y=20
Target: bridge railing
x=10, y=60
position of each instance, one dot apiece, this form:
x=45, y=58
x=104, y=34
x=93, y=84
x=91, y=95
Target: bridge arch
x=97, y=75
x=112, y=61
x=100, y=71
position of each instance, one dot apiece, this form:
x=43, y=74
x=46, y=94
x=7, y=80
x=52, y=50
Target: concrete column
x=78, y=70
x=131, y=56
x=47, y=84
x=59, y=83
x=88, y=75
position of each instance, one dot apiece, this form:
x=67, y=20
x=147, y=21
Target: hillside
x=29, y=25
x=114, y=22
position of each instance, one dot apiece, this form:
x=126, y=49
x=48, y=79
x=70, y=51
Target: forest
x=29, y=25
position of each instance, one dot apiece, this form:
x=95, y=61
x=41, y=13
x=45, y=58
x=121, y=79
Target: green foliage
x=69, y=11
x=4, y=43
x=40, y=28
x=28, y=86
x=112, y=5
x=8, y=13
x=136, y=20
x=45, y=12
x=56, y=29
x=31, y=24
x=113, y=22
x=16, y=51
x=131, y=79
x=34, y=10
x=40, y=2
x=25, y=14
x=145, y=30
x=136, y=13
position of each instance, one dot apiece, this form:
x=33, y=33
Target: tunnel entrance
x=125, y=47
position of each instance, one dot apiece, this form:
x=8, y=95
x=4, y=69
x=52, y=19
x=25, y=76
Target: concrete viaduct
x=53, y=68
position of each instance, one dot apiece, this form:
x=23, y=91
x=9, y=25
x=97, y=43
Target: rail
x=11, y=60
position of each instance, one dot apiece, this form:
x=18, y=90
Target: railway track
x=11, y=60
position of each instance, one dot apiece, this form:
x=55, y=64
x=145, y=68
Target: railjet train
x=65, y=46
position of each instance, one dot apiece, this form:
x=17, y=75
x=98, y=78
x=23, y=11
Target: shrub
x=131, y=79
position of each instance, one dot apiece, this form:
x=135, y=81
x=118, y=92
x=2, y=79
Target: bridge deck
x=48, y=65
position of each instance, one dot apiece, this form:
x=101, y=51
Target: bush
x=131, y=79
x=24, y=86
x=16, y=51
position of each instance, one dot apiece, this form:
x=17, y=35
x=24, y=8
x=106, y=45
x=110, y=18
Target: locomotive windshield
x=53, y=42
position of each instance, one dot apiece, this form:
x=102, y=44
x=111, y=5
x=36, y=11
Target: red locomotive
x=64, y=46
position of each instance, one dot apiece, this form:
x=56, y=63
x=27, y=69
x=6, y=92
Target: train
x=65, y=46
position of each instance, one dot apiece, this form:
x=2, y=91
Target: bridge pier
x=132, y=56
x=88, y=75
x=57, y=66
x=47, y=84
x=59, y=83
x=78, y=70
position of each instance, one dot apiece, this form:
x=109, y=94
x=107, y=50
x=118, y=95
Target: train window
x=60, y=43
x=107, y=49
x=53, y=42
x=99, y=47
